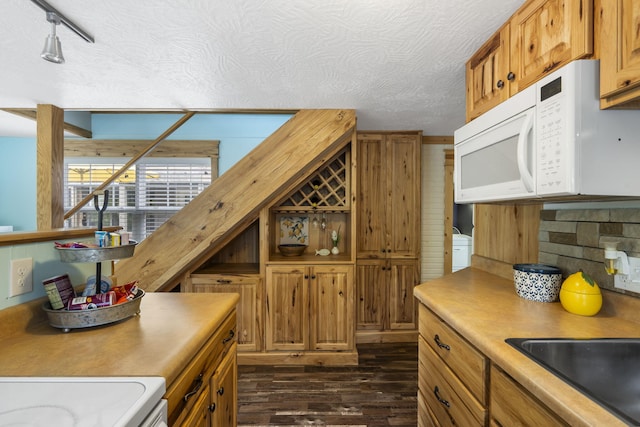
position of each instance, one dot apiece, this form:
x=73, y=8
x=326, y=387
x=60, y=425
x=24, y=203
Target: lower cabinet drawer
x=445, y=395
x=512, y=405
x=425, y=415
x=470, y=365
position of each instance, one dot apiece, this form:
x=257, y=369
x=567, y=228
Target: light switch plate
x=21, y=273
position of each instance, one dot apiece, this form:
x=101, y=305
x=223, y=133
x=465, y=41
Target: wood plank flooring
x=380, y=391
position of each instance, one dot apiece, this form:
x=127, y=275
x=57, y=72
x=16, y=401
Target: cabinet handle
x=500, y=84
x=383, y=250
x=511, y=76
x=441, y=400
x=197, y=383
x=220, y=391
x=306, y=276
x=440, y=344
x=229, y=338
x=212, y=407
x=223, y=281
x=313, y=276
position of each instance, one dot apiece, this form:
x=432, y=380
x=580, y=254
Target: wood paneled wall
x=505, y=234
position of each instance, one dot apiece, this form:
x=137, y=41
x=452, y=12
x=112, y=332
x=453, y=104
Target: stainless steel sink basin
x=606, y=370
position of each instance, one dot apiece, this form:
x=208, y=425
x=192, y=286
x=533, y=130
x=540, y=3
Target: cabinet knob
x=313, y=276
x=500, y=84
x=220, y=391
x=383, y=250
x=212, y=407
x=511, y=76
x=306, y=276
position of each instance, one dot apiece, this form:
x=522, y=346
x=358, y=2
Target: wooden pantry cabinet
x=309, y=307
x=293, y=309
x=388, y=235
x=619, y=53
x=540, y=37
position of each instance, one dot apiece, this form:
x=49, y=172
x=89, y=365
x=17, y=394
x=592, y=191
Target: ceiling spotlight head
x=52, y=50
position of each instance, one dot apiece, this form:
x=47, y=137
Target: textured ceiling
x=399, y=63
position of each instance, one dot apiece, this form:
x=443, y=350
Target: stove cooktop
x=78, y=401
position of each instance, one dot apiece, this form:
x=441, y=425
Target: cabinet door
x=404, y=276
x=332, y=299
x=248, y=309
x=546, y=34
x=487, y=75
x=287, y=305
x=620, y=47
x=402, y=196
x=371, y=197
x=224, y=394
x=371, y=295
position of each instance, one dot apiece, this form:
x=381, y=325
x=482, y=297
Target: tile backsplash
x=574, y=239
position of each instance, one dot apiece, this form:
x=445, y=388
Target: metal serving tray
x=96, y=254
x=74, y=319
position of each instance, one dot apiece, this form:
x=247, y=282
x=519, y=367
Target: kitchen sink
x=607, y=370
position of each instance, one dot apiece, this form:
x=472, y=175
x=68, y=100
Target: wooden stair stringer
x=310, y=137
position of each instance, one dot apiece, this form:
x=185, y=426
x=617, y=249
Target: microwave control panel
x=550, y=128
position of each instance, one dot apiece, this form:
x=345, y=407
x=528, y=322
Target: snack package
x=92, y=302
x=59, y=290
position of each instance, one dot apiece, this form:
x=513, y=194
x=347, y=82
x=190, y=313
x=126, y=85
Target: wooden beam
x=430, y=139
x=131, y=147
x=68, y=127
x=50, y=166
x=130, y=163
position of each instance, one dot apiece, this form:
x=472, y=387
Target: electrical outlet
x=21, y=276
x=631, y=281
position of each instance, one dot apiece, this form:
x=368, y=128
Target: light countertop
x=170, y=329
x=485, y=309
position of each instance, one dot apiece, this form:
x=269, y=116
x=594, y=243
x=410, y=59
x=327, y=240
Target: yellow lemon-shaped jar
x=580, y=294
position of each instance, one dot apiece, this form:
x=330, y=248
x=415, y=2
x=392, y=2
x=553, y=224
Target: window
x=142, y=198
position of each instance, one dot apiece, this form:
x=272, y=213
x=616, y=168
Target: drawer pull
x=440, y=344
x=229, y=338
x=197, y=383
x=223, y=281
x=441, y=400
x=220, y=391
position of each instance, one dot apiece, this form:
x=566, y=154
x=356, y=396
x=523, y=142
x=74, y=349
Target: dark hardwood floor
x=380, y=391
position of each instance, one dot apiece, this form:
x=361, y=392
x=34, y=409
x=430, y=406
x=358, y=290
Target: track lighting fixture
x=52, y=47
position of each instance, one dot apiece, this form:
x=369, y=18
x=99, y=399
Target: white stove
x=82, y=401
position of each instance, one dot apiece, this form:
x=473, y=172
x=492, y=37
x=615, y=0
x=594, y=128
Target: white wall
x=433, y=211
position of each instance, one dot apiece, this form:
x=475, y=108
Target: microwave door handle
x=527, y=177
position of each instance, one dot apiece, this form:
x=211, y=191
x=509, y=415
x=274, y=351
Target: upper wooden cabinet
x=546, y=34
x=620, y=52
x=488, y=75
x=539, y=38
x=388, y=214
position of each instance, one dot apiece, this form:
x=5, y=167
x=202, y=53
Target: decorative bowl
x=537, y=282
x=292, y=249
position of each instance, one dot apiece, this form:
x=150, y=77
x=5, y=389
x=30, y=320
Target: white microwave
x=551, y=140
